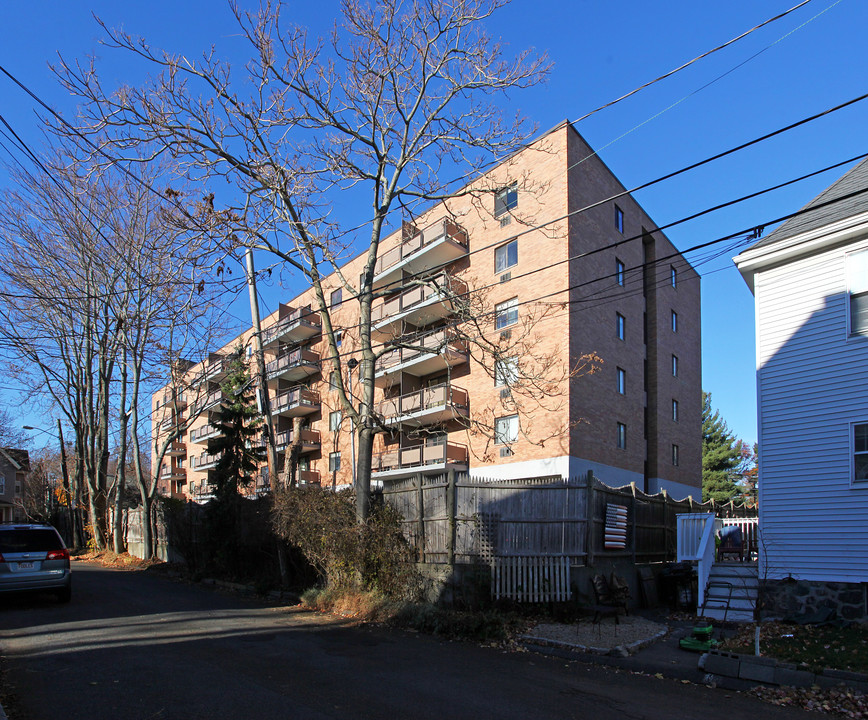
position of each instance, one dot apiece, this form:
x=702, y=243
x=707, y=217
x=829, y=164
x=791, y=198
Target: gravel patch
x=605, y=637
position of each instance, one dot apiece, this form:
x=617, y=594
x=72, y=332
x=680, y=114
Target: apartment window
x=506, y=430
x=2, y=485
x=622, y=436
x=675, y=410
x=505, y=199
x=674, y=366
x=860, y=452
x=674, y=321
x=619, y=219
x=339, y=338
x=505, y=371
x=334, y=461
x=179, y=463
x=620, y=326
x=619, y=272
x=333, y=380
x=622, y=381
x=335, y=420
x=506, y=314
x=336, y=297
x=673, y=276
x=857, y=286
x=675, y=455
x=505, y=256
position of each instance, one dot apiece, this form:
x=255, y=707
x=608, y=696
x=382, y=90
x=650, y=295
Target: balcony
x=170, y=423
x=295, y=326
x=437, y=245
x=295, y=402
x=432, y=300
x=173, y=473
x=309, y=440
x=178, y=401
x=204, y=434
x=429, y=353
x=204, y=461
x=427, y=406
x=293, y=365
x=176, y=448
x=212, y=401
x=419, y=459
x=214, y=369
x=307, y=477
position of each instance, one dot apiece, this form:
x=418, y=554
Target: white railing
x=695, y=542
x=749, y=533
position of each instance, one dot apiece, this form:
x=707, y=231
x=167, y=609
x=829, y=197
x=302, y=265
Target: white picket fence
x=531, y=579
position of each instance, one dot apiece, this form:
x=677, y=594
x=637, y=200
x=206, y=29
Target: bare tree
x=400, y=98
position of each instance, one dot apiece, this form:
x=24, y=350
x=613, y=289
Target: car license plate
x=25, y=566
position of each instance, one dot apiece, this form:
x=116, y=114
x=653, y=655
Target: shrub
x=348, y=555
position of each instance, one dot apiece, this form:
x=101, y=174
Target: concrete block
x=725, y=664
x=845, y=675
x=790, y=676
x=758, y=669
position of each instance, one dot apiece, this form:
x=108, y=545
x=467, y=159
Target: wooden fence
x=454, y=518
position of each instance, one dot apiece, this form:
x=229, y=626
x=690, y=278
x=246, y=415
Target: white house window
x=860, y=452
x=505, y=199
x=505, y=256
x=335, y=421
x=505, y=371
x=857, y=285
x=506, y=430
x=506, y=314
x=2, y=485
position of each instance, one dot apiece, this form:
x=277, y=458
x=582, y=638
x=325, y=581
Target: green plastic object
x=703, y=632
x=694, y=644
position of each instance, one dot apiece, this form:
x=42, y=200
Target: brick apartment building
x=502, y=300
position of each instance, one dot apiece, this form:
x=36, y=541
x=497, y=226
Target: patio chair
x=610, y=596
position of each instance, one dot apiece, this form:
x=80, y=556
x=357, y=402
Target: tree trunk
x=363, y=473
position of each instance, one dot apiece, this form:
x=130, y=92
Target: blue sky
x=798, y=66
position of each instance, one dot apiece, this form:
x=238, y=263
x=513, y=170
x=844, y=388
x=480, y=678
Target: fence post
x=589, y=520
x=420, y=520
x=450, y=514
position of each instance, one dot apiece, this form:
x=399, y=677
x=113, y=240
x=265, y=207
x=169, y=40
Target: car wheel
x=64, y=595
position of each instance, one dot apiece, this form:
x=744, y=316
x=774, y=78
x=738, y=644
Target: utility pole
x=265, y=402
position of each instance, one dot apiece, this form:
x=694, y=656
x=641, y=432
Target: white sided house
x=810, y=282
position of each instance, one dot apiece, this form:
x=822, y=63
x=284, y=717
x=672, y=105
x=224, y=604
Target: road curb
x=770, y=672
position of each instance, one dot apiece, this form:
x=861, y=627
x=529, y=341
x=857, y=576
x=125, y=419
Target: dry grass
x=110, y=559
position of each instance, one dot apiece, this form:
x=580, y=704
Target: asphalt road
x=134, y=645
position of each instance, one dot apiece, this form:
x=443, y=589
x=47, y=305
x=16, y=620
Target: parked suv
x=33, y=557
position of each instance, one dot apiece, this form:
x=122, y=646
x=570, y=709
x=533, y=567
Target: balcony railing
x=204, y=461
x=172, y=473
x=427, y=353
x=307, y=477
x=428, y=405
x=178, y=400
x=309, y=439
x=436, y=245
x=214, y=368
x=420, y=458
x=293, y=365
x=210, y=401
x=204, y=433
x=298, y=325
x=297, y=401
x=177, y=448
x=434, y=299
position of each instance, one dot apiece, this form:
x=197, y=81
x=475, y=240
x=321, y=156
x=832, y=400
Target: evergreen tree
x=239, y=425
x=721, y=455
x=240, y=456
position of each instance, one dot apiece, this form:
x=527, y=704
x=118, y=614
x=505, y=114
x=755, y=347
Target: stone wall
x=782, y=598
